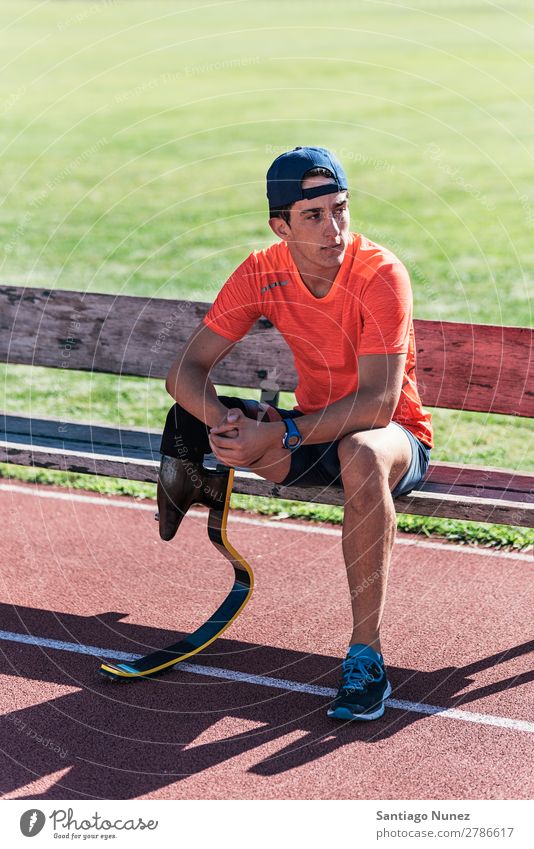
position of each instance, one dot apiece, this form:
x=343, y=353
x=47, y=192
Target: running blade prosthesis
x=217, y=497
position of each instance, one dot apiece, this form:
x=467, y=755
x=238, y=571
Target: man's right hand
x=225, y=427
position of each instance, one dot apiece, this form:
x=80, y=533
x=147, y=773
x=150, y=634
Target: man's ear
x=280, y=228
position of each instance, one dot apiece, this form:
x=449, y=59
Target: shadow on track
x=121, y=741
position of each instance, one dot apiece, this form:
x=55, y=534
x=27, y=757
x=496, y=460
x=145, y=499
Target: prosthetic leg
x=217, y=497
x=184, y=481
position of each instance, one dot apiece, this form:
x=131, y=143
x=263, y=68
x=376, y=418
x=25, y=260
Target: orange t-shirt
x=368, y=310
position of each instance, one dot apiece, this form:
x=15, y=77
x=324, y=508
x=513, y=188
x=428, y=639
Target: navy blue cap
x=284, y=177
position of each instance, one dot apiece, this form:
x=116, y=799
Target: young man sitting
x=344, y=306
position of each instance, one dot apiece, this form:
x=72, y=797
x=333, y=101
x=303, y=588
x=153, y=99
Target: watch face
x=293, y=440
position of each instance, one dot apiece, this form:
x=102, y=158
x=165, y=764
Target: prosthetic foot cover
x=181, y=483
x=217, y=497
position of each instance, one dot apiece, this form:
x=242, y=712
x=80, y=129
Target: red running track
x=89, y=571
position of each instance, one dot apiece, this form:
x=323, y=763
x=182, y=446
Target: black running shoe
x=364, y=685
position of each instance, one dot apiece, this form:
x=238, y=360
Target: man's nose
x=331, y=225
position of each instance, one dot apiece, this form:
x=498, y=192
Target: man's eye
x=313, y=217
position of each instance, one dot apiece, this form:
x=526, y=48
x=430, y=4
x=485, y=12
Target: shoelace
x=357, y=672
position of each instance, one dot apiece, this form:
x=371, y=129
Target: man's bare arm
x=372, y=406
x=188, y=381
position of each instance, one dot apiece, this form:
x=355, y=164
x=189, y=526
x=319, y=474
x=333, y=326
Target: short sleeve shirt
x=368, y=310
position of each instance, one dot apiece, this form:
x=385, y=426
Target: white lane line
x=269, y=523
x=80, y=648
x=276, y=683
x=71, y=496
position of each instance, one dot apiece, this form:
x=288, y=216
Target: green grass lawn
x=135, y=138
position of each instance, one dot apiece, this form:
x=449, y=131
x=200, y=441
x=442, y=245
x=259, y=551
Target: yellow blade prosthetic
x=163, y=660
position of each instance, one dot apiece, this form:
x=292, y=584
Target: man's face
x=319, y=228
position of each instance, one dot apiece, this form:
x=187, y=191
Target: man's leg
x=372, y=462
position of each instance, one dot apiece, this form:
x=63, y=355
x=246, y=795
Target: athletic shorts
x=318, y=465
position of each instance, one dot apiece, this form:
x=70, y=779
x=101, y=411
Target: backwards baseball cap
x=284, y=177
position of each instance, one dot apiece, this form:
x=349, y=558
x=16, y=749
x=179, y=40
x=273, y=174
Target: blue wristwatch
x=292, y=437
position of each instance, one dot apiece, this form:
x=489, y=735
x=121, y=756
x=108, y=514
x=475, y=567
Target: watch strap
x=292, y=437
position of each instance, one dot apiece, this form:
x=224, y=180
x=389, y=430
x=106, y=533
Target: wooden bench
x=481, y=368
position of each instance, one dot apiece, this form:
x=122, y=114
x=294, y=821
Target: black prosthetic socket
x=186, y=437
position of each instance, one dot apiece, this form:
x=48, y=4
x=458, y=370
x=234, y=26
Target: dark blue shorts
x=318, y=465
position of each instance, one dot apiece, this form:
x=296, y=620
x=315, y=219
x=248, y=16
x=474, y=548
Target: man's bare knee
x=372, y=460
x=361, y=461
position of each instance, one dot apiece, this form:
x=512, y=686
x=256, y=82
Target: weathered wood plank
x=483, y=368
x=125, y=335
x=136, y=444
x=483, y=505
x=81, y=463
x=73, y=436
x=454, y=507
x=418, y=503
x=479, y=478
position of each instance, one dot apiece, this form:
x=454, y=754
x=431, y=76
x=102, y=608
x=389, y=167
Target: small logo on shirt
x=272, y=285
